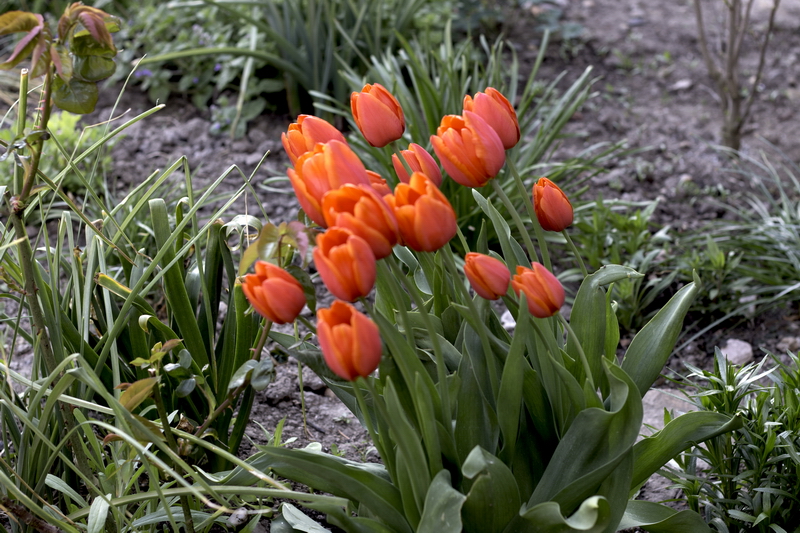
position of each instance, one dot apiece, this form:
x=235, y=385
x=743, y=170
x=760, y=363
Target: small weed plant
x=746, y=480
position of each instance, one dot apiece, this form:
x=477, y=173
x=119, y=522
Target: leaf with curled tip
x=33, y=42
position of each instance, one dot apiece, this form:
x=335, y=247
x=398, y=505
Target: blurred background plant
x=745, y=480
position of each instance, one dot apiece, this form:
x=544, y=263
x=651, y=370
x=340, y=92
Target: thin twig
x=761, y=61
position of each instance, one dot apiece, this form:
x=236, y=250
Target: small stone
x=680, y=85
x=654, y=403
x=789, y=344
x=737, y=351
x=507, y=320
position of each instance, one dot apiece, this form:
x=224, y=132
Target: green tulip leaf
x=653, y=452
x=658, y=518
x=493, y=499
x=513, y=255
x=651, y=347
x=442, y=511
x=593, y=516
x=596, y=444
x=367, y=484
x=588, y=317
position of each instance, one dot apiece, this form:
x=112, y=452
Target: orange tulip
x=350, y=342
x=304, y=134
x=378, y=115
x=553, y=209
x=420, y=161
x=361, y=210
x=378, y=183
x=425, y=217
x=543, y=291
x=498, y=112
x=346, y=263
x=488, y=276
x=274, y=293
x=469, y=149
x=328, y=166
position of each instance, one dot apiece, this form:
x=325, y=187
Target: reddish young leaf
x=24, y=47
x=95, y=24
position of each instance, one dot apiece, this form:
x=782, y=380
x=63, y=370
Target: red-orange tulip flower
x=328, y=166
x=420, y=161
x=304, y=134
x=498, y=112
x=543, y=291
x=378, y=115
x=274, y=293
x=361, y=210
x=553, y=209
x=350, y=342
x=488, y=276
x=425, y=217
x=469, y=149
x=346, y=263
x=378, y=183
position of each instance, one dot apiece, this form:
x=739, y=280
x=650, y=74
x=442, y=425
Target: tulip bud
x=543, y=291
x=346, y=263
x=424, y=216
x=302, y=136
x=361, y=210
x=350, y=342
x=420, y=161
x=498, y=112
x=553, y=209
x=328, y=166
x=274, y=293
x=488, y=276
x=469, y=149
x=378, y=115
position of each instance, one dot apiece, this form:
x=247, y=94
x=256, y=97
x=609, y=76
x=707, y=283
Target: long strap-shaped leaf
x=174, y=287
x=651, y=347
x=355, y=481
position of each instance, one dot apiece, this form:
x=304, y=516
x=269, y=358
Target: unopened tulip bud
x=543, y=292
x=274, y=293
x=378, y=115
x=419, y=160
x=553, y=209
x=469, y=149
x=350, y=341
x=345, y=263
x=488, y=276
x=328, y=166
x=424, y=216
x=361, y=210
x=498, y=112
x=303, y=135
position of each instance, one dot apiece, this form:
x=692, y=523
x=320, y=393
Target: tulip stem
x=586, y=368
x=575, y=253
x=362, y=404
x=537, y=228
x=437, y=349
x=462, y=239
x=517, y=219
x=479, y=325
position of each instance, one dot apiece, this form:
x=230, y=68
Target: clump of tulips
x=478, y=429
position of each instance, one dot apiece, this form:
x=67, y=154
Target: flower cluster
x=363, y=219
